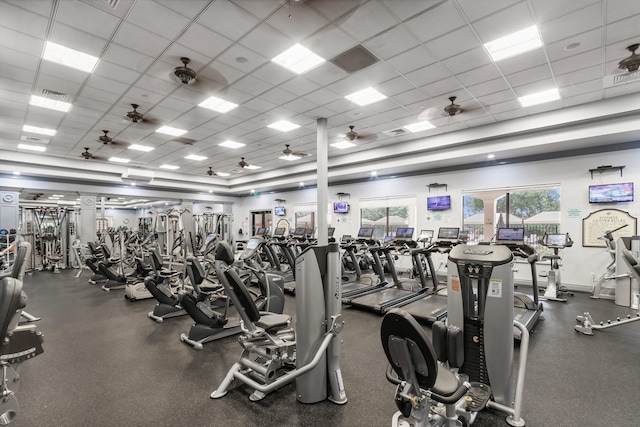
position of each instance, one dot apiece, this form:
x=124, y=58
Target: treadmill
x=399, y=290
x=432, y=306
x=364, y=282
x=526, y=310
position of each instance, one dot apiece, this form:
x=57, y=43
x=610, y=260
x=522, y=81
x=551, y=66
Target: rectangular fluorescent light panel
x=231, y=144
x=365, y=96
x=195, y=157
x=168, y=130
x=170, y=167
x=38, y=148
x=514, y=44
x=419, y=126
x=298, y=59
x=41, y=131
x=137, y=147
x=51, y=104
x=290, y=157
x=217, y=104
x=343, y=144
x=223, y=174
x=539, y=97
x=252, y=167
x=71, y=58
x=119, y=160
x=283, y=126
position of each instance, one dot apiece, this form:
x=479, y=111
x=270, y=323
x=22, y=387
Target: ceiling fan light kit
x=185, y=74
x=631, y=63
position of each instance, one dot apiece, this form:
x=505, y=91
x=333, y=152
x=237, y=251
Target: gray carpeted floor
x=107, y=364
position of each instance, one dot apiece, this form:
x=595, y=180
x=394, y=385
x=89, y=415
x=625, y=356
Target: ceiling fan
x=352, y=135
x=137, y=117
x=211, y=172
x=184, y=74
x=289, y=154
x=90, y=156
x=242, y=163
x=450, y=111
x=107, y=140
x=631, y=63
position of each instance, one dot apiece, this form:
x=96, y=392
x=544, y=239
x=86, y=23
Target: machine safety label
x=495, y=288
x=454, y=283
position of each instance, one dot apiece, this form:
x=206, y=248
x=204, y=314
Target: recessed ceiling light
x=195, y=157
x=217, y=104
x=71, y=58
x=39, y=148
x=137, y=147
x=290, y=157
x=231, y=144
x=573, y=46
x=419, y=126
x=16, y=173
x=491, y=156
x=374, y=173
x=36, y=129
x=119, y=160
x=365, y=96
x=301, y=184
x=343, y=144
x=170, y=167
x=223, y=174
x=539, y=97
x=514, y=44
x=283, y=126
x=57, y=195
x=252, y=167
x=298, y=59
x=51, y=104
x=168, y=130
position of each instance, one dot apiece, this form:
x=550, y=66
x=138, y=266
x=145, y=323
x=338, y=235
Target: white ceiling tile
x=429, y=74
x=215, y=45
x=267, y=40
x=588, y=41
x=497, y=97
x=410, y=97
x=157, y=19
x=509, y=115
x=443, y=88
x=14, y=58
x=376, y=74
x=86, y=18
x=582, y=99
x=475, y=9
x=329, y=42
x=259, y=104
x=260, y=9
x=387, y=44
x=548, y=10
x=580, y=88
x=395, y=86
x=453, y=43
x=492, y=86
x=408, y=9
x=220, y=72
x=227, y=19
x=411, y=60
x=76, y=39
x=325, y=74
x=126, y=57
x=15, y=18
x=436, y=22
x=529, y=75
x=138, y=95
x=116, y=72
x=469, y=60
x=176, y=104
x=579, y=76
x=504, y=22
x=585, y=59
x=322, y=96
x=188, y=8
x=623, y=29
x=47, y=81
x=535, y=87
x=297, y=22
x=332, y=9
x=368, y=20
x=301, y=105
x=140, y=40
x=251, y=85
x=108, y=85
x=272, y=73
x=589, y=17
x=155, y=85
x=277, y=96
x=101, y=95
x=619, y=10
x=18, y=41
x=251, y=61
x=484, y=73
x=521, y=62
x=299, y=85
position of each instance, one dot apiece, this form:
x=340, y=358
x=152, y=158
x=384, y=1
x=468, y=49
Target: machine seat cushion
x=271, y=320
x=446, y=383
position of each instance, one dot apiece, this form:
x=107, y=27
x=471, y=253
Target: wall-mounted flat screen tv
x=340, y=207
x=279, y=211
x=611, y=193
x=438, y=203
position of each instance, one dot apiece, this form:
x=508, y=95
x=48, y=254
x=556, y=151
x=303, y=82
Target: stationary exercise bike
x=555, y=290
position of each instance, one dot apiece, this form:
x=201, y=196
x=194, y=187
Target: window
x=537, y=210
x=387, y=215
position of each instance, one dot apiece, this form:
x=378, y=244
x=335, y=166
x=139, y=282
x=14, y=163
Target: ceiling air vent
x=621, y=79
x=34, y=139
x=395, y=132
x=236, y=170
x=55, y=95
x=185, y=141
x=355, y=59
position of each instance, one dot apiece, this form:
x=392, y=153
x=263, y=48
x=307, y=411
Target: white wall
x=572, y=174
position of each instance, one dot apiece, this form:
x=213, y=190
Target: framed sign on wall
x=599, y=222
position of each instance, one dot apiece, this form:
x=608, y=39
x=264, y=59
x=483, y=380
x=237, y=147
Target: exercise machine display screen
x=299, y=231
x=448, y=233
x=330, y=231
x=253, y=243
x=510, y=234
x=426, y=234
x=559, y=240
x=279, y=231
x=404, y=233
x=365, y=232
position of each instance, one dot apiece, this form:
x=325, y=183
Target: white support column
x=323, y=180
x=86, y=227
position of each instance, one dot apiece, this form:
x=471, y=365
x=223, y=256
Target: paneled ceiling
x=425, y=52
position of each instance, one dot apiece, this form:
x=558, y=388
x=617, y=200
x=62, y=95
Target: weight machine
x=51, y=237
